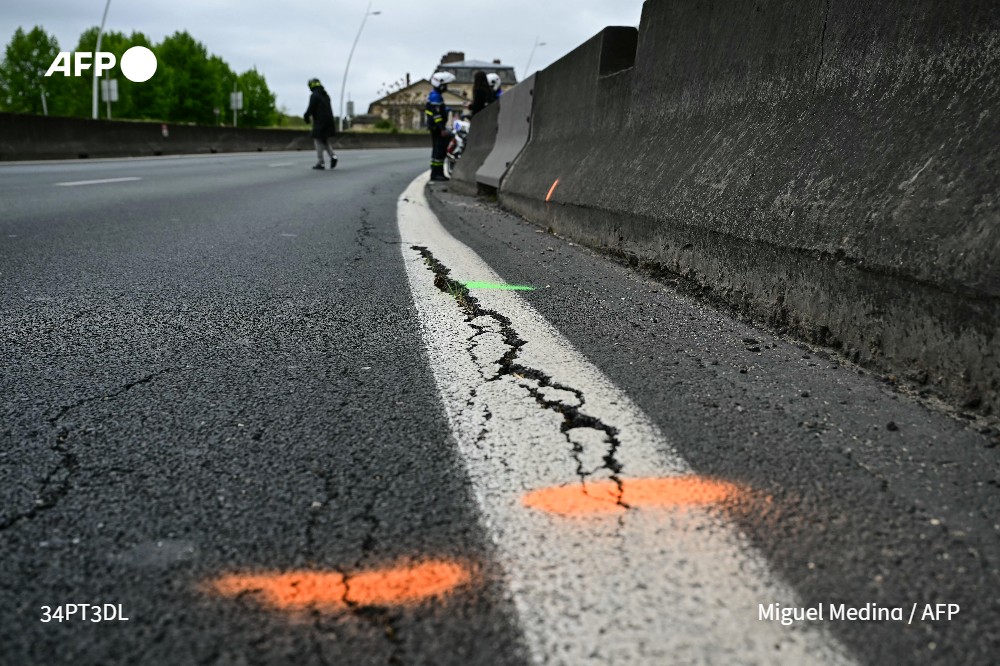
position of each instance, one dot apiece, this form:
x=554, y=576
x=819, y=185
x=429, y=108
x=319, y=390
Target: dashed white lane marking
x=282, y=164
x=75, y=183
x=640, y=587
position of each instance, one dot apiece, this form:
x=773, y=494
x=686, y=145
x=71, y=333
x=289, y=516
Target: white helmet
x=494, y=80
x=442, y=79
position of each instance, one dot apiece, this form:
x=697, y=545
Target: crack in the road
x=822, y=43
x=310, y=538
x=379, y=617
x=510, y=365
x=366, y=232
x=124, y=389
x=56, y=484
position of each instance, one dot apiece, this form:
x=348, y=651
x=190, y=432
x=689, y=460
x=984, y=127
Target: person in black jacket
x=320, y=113
x=482, y=93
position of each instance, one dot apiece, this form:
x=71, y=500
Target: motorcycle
x=460, y=132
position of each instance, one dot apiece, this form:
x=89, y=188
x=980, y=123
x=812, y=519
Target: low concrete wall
x=513, y=130
x=25, y=137
x=479, y=145
x=828, y=168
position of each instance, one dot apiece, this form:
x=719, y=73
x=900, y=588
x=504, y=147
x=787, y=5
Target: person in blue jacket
x=437, y=122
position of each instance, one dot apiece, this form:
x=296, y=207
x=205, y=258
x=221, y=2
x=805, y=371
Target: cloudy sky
x=290, y=41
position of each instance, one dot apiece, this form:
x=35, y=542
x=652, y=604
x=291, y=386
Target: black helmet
x=314, y=83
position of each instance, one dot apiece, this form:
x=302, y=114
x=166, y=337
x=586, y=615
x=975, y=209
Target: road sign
x=236, y=101
x=109, y=90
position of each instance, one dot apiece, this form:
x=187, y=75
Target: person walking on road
x=437, y=122
x=320, y=113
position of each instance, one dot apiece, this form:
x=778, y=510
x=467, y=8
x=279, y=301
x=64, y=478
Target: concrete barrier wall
x=478, y=146
x=25, y=137
x=513, y=130
x=828, y=168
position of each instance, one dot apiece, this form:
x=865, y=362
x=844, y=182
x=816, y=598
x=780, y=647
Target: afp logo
x=138, y=63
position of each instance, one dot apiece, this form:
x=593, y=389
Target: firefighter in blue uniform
x=437, y=122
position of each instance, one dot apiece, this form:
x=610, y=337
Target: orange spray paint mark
x=328, y=590
x=603, y=497
x=551, y=190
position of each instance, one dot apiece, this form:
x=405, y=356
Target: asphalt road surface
x=273, y=415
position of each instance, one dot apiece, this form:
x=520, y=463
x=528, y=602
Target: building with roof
x=405, y=106
x=465, y=70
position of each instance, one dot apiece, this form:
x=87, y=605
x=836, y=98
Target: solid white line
x=98, y=182
x=639, y=587
x=283, y=164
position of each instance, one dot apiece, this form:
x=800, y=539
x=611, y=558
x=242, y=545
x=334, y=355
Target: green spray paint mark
x=502, y=287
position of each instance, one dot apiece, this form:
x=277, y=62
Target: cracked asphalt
x=542, y=388
x=218, y=368
x=876, y=496
x=616, y=552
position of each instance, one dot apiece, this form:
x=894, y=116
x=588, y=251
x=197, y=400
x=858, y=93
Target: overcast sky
x=290, y=41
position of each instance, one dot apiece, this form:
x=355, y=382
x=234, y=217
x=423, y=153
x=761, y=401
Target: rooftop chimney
x=496, y=61
x=452, y=56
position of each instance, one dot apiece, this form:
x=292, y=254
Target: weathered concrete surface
x=479, y=145
x=825, y=167
x=513, y=130
x=27, y=137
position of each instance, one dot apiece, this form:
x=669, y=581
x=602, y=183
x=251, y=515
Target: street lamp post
x=343, y=85
x=530, y=57
x=100, y=33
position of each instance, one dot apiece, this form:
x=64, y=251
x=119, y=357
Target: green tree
x=224, y=80
x=117, y=43
x=259, y=109
x=146, y=100
x=135, y=100
x=189, y=84
x=186, y=81
x=77, y=93
x=73, y=95
x=22, y=74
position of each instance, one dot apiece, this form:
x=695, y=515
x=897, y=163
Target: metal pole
x=234, y=103
x=343, y=84
x=530, y=57
x=100, y=33
x=45, y=104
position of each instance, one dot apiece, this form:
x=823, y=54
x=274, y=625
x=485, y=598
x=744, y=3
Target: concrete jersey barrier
x=478, y=145
x=28, y=137
x=514, y=128
x=828, y=171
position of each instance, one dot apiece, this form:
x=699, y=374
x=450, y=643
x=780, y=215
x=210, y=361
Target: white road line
x=98, y=182
x=282, y=164
x=638, y=587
